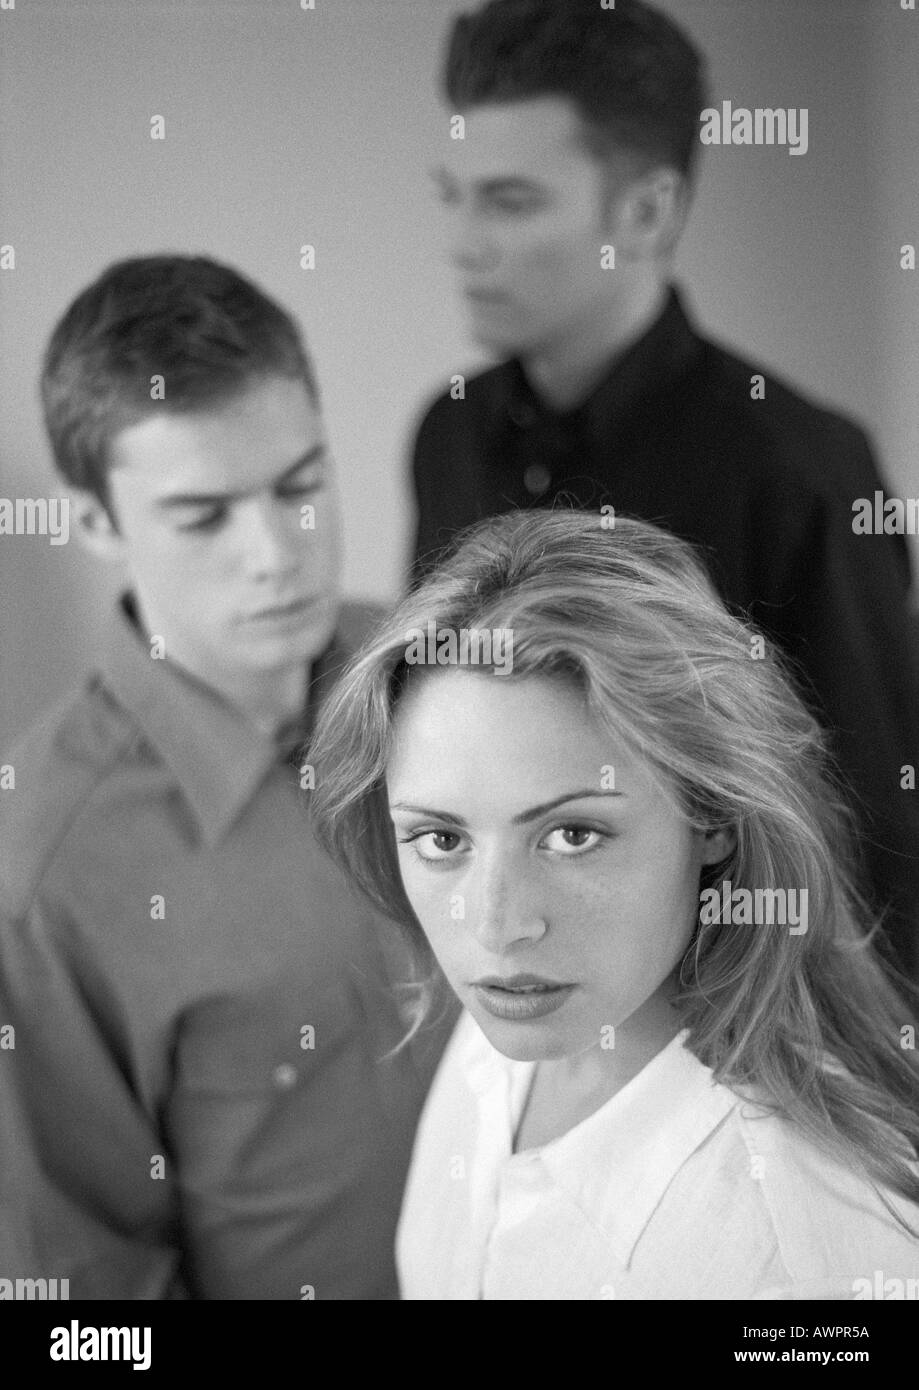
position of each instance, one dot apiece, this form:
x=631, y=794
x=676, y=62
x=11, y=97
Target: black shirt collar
x=663, y=353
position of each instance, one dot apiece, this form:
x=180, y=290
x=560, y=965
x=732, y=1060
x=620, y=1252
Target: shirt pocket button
x=284, y=1076
x=536, y=479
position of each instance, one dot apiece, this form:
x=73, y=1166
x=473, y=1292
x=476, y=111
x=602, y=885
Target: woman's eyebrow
x=427, y=811
x=536, y=811
x=523, y=819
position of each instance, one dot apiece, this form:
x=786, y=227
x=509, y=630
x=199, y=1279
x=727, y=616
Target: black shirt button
x=522, y=414
x=536, y=479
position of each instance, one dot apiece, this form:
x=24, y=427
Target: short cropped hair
x=629, y=618
x=636, y=79
x=201, y=326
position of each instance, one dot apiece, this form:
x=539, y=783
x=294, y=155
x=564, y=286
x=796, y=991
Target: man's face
x=527, y=205
x=229, y=564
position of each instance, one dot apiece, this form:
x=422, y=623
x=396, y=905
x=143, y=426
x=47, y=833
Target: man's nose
x=473, y=249
x=266, y=539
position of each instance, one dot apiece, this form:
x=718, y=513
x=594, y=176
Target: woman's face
x=557, y=884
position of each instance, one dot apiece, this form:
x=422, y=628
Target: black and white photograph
x=459, y=668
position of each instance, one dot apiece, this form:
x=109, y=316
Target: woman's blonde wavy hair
x=813, y=1024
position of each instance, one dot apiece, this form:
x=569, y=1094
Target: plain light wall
x=287, y=126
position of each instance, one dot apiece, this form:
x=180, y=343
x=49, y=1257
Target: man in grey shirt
x=201, y=1099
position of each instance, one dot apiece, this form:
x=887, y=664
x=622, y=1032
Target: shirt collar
x=662, y=353
x=616, y=1165
x=645, y=1135
x=217, y=756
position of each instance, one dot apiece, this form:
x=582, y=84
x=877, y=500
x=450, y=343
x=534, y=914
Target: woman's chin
x=524, y=1040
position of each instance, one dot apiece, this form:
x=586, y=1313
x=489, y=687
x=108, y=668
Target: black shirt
x=674, y=434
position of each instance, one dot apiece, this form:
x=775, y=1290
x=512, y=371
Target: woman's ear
x=95, y=529
x=718, y=843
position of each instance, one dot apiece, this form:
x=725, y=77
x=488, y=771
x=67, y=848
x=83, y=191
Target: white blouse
x=674, y=1189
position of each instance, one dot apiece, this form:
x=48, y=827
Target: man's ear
x=649, y=214
x=94, y=527
x=717, y=844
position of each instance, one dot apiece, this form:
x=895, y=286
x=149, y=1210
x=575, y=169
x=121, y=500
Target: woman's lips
x=521, y=997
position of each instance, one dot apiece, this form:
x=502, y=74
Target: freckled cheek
x=582, y=916
x=612, y=905
x=648, y=925
x=430, y=902
x=454, y=955
x=441, y=911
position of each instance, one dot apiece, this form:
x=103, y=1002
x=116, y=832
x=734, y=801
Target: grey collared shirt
x=194, y=1095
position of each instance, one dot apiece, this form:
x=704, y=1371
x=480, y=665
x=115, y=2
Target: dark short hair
x=206, y=329
x=636, y=79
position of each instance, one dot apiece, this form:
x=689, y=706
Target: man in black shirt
x=570, y=188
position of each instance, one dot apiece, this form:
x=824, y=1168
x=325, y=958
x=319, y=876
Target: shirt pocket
x=283, y=1086
x=271, y=1039
x=277, y=1127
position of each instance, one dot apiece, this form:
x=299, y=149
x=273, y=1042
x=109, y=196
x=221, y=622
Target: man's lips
x=284, y=609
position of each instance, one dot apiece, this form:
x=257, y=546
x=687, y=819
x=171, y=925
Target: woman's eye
x=572, y=839
x=433, y=845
